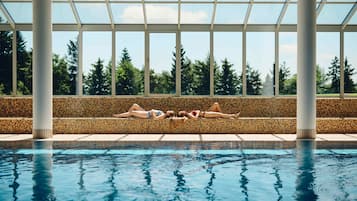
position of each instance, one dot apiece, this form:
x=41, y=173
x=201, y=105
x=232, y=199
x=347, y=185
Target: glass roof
x=331, y=12
x=2, y=18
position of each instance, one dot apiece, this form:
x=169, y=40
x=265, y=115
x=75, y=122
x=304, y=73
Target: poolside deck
x=233, y=140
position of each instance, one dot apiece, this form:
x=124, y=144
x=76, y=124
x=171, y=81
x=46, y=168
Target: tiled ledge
x=180, y=137
x=243, y=125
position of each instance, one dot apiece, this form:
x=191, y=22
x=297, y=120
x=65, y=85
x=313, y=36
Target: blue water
x=177, y=174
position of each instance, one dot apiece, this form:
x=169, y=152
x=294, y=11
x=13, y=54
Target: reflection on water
x=306, y=172
x=42, y=172
x=177, y=175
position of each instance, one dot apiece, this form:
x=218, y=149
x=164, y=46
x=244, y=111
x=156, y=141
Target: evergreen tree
x=254, y=83
x=321, y=79
x=73, y=63
x=96, y=80
x=348, y=73
x=61, y=78
x=24, y=67
x=128, y=78
x=334, y=75
x=290, y=85
x=284, y=74
x=228, y=83
x=201, y=70
x=268, y=89
x=186, y=74
x=5, y=61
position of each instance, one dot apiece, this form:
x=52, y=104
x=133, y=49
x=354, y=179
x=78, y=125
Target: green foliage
x=349, y=71
x=228, y=82
x=128, y=78
x=2, y=88
x=5, y=61
x=61, y=77
x=321, y=80
x=96, y=80
x=24, y=71
x=254, y=83
x=73, y=63
x=284, y=74
x=201, y=77
x=334, y=75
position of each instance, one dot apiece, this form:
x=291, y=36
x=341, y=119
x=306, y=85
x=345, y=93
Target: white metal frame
x=178, y=28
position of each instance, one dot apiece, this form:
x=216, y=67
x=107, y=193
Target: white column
x=147, y=65
x=42, y=69
x=79, y=87
x=178, y=63
x=306, y=83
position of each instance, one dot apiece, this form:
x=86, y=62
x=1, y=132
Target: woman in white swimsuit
x=136, y=111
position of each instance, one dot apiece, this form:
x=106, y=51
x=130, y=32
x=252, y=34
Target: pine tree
x=128, y=78
x=61, y=78
x=348, y=73
x=73, y=63
x=321, y=79
x=334, y=75
x=284, y=74
x=24, y=65
x=96, y=80
x=186, y=74
x=5, y=61
x=254, y=83
x=228, y=83
x=201, y=77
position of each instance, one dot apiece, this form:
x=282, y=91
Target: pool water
x=178, y=174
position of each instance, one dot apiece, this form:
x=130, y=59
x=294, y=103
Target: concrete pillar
x=306, y=82
x=42, y=69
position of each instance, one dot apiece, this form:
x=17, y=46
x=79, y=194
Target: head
x=170, y=113
x=182, y=113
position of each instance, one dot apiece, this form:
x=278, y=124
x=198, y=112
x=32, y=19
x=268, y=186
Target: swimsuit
x=157, y=113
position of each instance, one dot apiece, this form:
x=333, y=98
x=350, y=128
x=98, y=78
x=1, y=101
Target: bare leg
x=122, y=115
x=136, y=107
x=219, y=115
x=215, y=108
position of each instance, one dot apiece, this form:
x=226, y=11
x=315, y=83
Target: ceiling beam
x=282, y=14
x=247, y=14
x=75, y=13
x=349, y=16
x=7, y=15
x=214, y=13
x=144, y=13
x=110, y=13
x=320, y=7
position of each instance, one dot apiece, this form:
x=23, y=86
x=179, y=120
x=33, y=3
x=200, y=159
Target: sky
x=260, y=45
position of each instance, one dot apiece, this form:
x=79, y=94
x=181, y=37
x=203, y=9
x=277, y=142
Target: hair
x=170, y=113
x=182, y=113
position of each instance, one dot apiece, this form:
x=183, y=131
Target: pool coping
x=186, y=141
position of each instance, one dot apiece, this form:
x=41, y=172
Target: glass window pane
x=228, y=55
x=93, y=13
x=97, y=52
x=290, y=16
x=65, y=62
x=196, y=14
x=162, y=46
x=195, y=79
x=333, y=13
x=328, y=64
x=161, y=14
x=287, y=63
x=265, y=13
x=5, y=63
x=130, y=63
x=58, y=13
x=24, y=63
x=350, y=63
x=260, y=63
x=353, y=19
x=3, y=19
x=128, y=13
x=20, y=12
x=230, y=13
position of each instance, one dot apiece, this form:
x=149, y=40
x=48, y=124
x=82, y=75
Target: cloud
x=162, y=14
